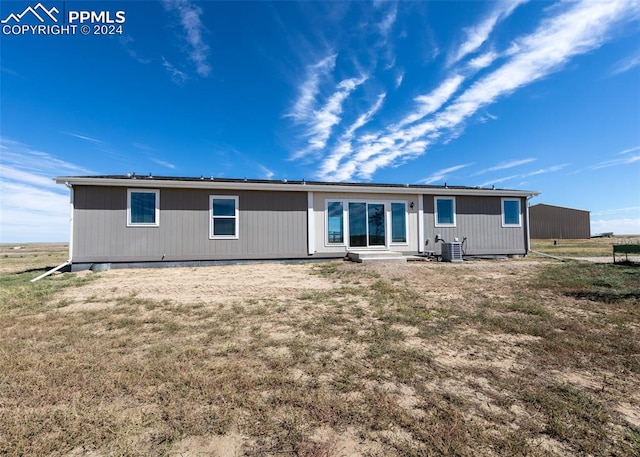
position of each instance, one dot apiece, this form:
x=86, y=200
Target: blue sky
x=534, y=95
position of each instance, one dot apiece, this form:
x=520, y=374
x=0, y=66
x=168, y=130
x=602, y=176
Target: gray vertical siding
x=549, y=221
x=479, y=219
x=271, y=225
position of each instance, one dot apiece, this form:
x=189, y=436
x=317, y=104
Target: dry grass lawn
x=486, y=358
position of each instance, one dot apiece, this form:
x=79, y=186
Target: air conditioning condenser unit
x=452, y=252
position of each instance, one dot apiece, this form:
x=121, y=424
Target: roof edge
x=561, y=207
x=283, y=185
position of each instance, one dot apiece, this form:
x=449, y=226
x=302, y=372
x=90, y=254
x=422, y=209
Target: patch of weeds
x=134, y=300
x=571, y=416
x=123, y=323
x=325, y=269
x=632, y=438
x=525, y=317
x=398, y=304
x=526, y=307
x=358, y=312
x=607, y=283
x=17, y=292
x=300, y=351
x=328, y=324
x=171, y=327
x=346, y=382
x=384, y=287
x=238, y=308
x=315, y=296
x=63, y=303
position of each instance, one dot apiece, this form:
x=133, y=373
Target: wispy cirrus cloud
x=569, y=30
x=23, y=157
x=399, y=78
x=483, y=61
x=615, y=162
x=164, y=163
x=189, y=16
x=384, y=28
x=266, y=172
x=543, y=171
x=330, y=166
x=317, y=114
x=321, y=123
x=176, y=75
x=581, y=28
x=478, y=34
x=84, y=137
x=33, y=214
x=626, y=64
x=33, y=208
x=504, y=166
x=539, y=171
x=441, y=175
x=430, y=103
x=309, y=88
x=127, y=43
x=627, y=151
x=389, y=19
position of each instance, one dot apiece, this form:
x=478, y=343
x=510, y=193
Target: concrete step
x=376, y=256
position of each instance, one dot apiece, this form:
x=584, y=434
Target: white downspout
x=71, y=210
x=68, y=262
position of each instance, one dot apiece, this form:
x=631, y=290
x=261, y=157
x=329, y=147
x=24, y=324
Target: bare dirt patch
x=209, y=285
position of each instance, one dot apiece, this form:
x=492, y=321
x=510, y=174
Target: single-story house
x=550, y=221
x=133, y=219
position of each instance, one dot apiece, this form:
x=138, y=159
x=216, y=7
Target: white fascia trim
x=286, y=187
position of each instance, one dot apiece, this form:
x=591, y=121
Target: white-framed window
x=143, y=208
x=511, y=216
x=445, y=211
x=398, y=222
x=223, y=217
x=335, y=222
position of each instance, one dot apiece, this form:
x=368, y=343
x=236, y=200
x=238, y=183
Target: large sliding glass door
x=367, y=224
x=357, y=224
x=375, y=213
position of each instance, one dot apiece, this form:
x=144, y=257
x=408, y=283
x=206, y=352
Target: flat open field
x=595, y=249
x=486, y=358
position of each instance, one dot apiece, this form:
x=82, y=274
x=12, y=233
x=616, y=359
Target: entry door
x=367, y=227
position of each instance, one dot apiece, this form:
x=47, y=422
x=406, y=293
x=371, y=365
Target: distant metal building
x=549, y=221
